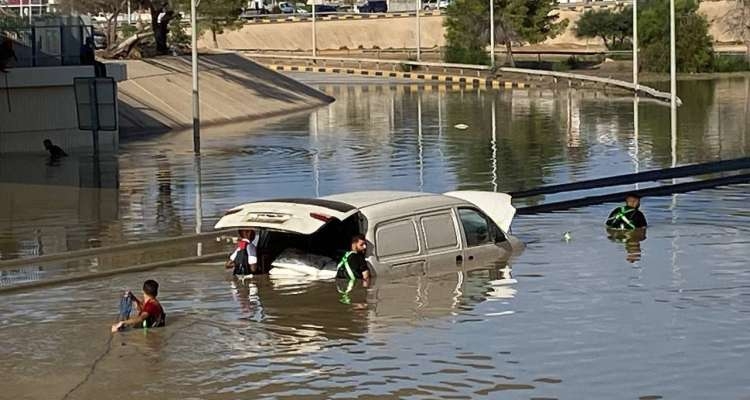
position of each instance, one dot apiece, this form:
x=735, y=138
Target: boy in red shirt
x=150, y=312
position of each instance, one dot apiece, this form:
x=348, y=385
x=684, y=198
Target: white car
x=406, y=232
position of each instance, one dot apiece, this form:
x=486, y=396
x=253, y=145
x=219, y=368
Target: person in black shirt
x=353, y=264
x=627, y=217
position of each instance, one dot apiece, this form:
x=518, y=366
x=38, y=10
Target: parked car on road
x=325, y=9
x=286, y=8
x=406, y=232
x=428, y=5
x=373, y=6
x=443, y=4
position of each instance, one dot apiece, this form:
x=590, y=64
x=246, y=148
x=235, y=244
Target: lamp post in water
x=194, y=65
x=314, y=33
x=492, y=32
x=419, y=32
x=673, y=80
x=635, y=46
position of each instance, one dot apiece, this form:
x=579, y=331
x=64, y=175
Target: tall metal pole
x=314, y=33
x=419, y=32
x=635, y=46
x=492, y=33
x=130, y=13
x=672, y=55
x=673, y=81
x=194, y=62
x=30, y=12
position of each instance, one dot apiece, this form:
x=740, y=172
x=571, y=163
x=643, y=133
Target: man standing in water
x=627, y=217
x=244, y=259
x=150, y=312
x=353, y=265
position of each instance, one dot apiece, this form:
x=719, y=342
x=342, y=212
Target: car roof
x=372, y=197
x=382, y=204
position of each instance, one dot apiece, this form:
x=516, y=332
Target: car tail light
x=321, y=217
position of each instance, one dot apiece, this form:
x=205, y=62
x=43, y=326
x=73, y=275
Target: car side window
x=439, y=231
x=398, y=238
x=477, y=228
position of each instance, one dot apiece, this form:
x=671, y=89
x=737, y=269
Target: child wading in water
x=150, y=312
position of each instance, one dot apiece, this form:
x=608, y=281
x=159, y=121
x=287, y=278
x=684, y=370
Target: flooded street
x=591, y=317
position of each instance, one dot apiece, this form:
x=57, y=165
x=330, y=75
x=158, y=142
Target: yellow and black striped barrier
x=443, y=79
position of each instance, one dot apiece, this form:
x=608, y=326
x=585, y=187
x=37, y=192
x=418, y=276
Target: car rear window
x=397, y=238
x=439, y=231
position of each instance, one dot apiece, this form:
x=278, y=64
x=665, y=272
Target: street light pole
x=673, y=81
x=194, y=65
x=672, y=55
x=492, y=33
x=635, y=46
x=314, y=33
x=419, y=32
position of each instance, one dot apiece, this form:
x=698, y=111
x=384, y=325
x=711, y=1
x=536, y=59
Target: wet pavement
x=591, y=317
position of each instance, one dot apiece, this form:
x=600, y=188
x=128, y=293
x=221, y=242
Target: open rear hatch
x=302, y=216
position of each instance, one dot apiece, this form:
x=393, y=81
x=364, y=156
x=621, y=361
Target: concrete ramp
x=157, y=97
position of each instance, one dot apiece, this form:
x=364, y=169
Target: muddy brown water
x=591, y=317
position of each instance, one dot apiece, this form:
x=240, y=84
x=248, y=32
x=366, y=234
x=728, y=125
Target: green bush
x=464, y=55
x=177, y=35
x=730, y=63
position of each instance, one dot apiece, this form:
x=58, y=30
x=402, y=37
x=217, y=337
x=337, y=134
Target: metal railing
x=649, y=91
x=49, y=45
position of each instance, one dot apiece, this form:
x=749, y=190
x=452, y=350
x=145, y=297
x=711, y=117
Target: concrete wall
x=385, y=33
x=39, y=103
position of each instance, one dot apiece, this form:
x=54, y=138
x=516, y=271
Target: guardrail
x=649, y=91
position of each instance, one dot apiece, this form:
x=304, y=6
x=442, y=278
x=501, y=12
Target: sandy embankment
x=157, y=97
x=399, y=33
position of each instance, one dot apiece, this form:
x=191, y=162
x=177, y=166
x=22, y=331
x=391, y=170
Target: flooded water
x=591, y=317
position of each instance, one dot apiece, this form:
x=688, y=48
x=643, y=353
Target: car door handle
x=459, y=259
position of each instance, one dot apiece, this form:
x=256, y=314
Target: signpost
x=96, y=106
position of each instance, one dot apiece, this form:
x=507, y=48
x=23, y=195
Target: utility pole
x=194, y=65
x=492, y=33
x=130, y=13
x=314, y=33
x=419, y=32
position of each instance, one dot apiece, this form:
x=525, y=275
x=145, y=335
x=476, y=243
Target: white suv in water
x=407, y=232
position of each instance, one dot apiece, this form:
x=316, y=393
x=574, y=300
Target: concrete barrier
x=38, y=103
x=488, y=79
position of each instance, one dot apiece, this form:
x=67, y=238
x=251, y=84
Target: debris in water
x=461, y=126
x=567, y=237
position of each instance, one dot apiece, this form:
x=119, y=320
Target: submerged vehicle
x=407, y=232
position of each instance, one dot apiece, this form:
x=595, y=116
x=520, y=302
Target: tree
x=217, y=15
x=516, y=21
x=615, y=28
x=466, y=32
x=694, y=46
